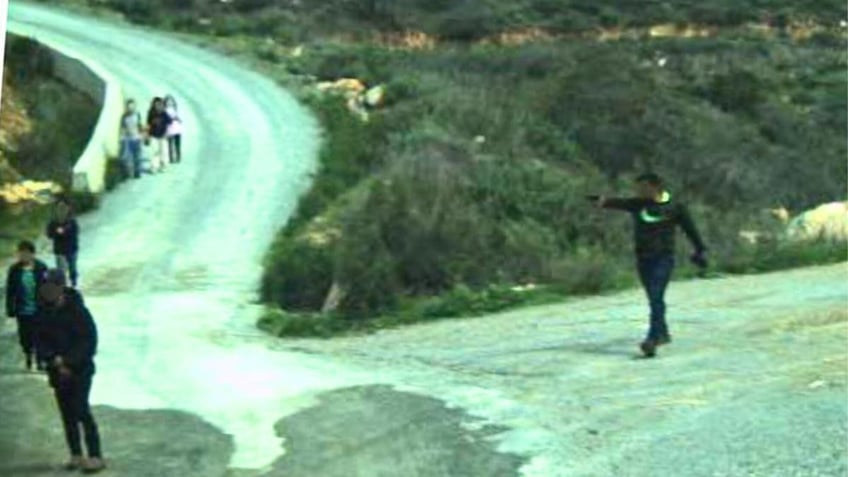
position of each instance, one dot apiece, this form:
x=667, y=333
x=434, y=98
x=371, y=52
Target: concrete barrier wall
x=89, y=171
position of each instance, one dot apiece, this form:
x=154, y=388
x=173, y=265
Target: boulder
x=825, y=222
x=376, y=96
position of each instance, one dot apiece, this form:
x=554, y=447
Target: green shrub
x=591, y=270
x=463, y=301
x=279, y=323
x=351, y=152
x=778, y=255
x=30, y=59
x=297, y=274
x=739, y=91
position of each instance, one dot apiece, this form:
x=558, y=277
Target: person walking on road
x=174, y=132
x=131, y=131
x=656, y=217
x=63, y=230
x=23, y=281
x=157, y=129
x=68, y=342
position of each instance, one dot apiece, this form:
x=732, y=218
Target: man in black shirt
x=656, y=218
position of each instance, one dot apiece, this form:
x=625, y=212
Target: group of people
x=162, y=131
x=57, y=333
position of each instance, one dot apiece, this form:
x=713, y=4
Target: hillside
x=461, y=20
x=38, y=142
x=464, y=188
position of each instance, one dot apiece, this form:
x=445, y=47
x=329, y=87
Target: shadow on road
x=376, y=431
x=137, y=443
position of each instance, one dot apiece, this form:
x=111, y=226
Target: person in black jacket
x=23, y=281
x=656, y=217
x=69, y=342
x=63, y=230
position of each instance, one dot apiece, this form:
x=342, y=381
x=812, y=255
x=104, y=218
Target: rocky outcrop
x=360, y=99
x=825, y=222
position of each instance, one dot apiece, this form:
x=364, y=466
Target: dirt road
x=755, y=384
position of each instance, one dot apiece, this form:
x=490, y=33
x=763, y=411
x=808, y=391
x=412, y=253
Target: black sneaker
x=664, y=340
x=649, y=348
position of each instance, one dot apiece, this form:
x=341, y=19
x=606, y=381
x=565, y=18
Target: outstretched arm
x=617, y=203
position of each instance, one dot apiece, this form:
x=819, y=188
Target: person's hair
x=650, y=178
x=64, y=200
x=26, y=246
x=170, y=99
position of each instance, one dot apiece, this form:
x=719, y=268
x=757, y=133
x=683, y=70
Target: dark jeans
x=175, y=148
x=72, y=398
x=131, y=157
x=27, y=331
x=68, y=263
x=655, y=273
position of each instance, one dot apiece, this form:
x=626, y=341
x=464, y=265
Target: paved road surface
x=755, y=384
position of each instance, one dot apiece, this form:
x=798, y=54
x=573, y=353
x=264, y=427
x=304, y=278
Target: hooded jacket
x=68, y=331
x=66, y=243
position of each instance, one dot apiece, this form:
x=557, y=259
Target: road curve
x=170, y=263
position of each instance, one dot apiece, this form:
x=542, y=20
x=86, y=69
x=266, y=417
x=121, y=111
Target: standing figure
x=23, y=281
x=131, y=131
x=656, y=218
x=69, y=342
x=157, y=128
x=175, y=130
x=63, y=230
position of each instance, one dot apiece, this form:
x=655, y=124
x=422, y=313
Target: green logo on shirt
x=646, y=216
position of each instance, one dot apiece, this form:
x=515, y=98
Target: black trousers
x=175, y=148
x=655, y=273
x=27, y=332
x=72, y=398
